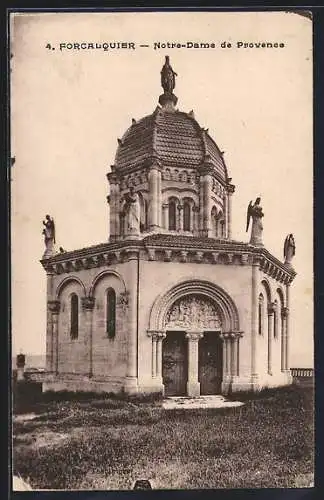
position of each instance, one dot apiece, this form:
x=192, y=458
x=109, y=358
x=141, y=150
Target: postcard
x=162, y=250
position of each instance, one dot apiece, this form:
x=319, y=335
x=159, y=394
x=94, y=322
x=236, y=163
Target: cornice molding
x=167, y=248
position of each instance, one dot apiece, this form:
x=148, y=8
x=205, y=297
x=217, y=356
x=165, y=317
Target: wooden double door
x=175, y=363
x=210, y=364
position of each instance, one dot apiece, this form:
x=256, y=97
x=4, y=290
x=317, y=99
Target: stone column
x=54, y=308
x=235, y=337
x=229, y=355
x=180, y=217
x=284, y=314
x=228, y=360
x=160, y=337
x=114, y=208
x=159, y=202
x=254, y=317
x=201, y=206
x=131, y=371
x=230, y=191
x=193, y=384
x=88, y=306
x=195, y=220
x=154, y=209
x=287, y=349
x=225, y=356
x=157, y=338
x=49, y=326
x=205, y=199
x=154, y=355
x=271, y=308
x=208, y=186
x=165, y=215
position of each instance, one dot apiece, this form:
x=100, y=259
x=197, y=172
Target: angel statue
x=255, y=211
x=168, y=77
x=49, y=235
x=131, y=213
x=289, y=249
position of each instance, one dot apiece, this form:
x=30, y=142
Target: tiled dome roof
x=174, y=137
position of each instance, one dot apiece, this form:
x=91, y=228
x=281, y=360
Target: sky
x=68, y=107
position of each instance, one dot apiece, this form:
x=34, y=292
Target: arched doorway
x=195, y=334
x=192, y=323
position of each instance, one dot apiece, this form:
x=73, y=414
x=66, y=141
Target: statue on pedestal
x=131, y=212
x=49, y=235
x=168, y=99
x=289, y=249
x=168, y=77
x=254, y=211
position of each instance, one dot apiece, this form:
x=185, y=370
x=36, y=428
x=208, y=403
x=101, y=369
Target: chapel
x=171, y=303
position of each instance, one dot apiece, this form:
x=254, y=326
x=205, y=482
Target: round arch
x=102, y=275
x=266, y=286
x=226, y=305
x=68, y=280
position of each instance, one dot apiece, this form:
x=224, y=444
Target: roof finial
x=168, y=99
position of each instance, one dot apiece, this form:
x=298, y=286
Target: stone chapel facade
x=171, y=303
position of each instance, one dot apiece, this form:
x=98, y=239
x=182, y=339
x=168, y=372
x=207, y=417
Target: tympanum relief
x=193, y=312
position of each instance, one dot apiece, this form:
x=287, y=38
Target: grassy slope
x=108, y=443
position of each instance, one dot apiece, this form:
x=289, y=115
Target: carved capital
x=285, y=312
x=194, y=336
x=153, y=164
x=123, y=299
x=271, y=308
x=230, y=188
x=156, y=334
x=235, y=335
x=228, y=336
x=130, y=254
x=257, y=260
x=54, y=306
x=88, y=303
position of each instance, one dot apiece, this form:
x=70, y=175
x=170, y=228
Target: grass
x=107, y=443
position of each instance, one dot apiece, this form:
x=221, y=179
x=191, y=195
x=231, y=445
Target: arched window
x=74, y=318
x=111, y=313
x=261, y=314
x=186, y=216
x=172, y=215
